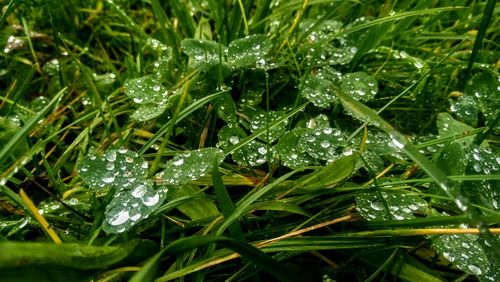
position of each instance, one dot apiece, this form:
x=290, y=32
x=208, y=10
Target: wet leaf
x=290, y=156
x=144, y=90
x=189, y=166
x=117, y=167
x=254, y=153
x=400, y=204
x=360, y=86
x=448, y=126
x=316, y=87
x=246, y=52
x=226, y=109
x=465, y=109
x=464, y=251
x=483, y=161
x=203, y=54
x=132, y=204
x=485, y=89
x=262, y=119
x=322, y=143
x=149, y=111
x=230, y=135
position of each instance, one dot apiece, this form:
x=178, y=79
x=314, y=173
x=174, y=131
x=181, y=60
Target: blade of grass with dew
x=366, y=114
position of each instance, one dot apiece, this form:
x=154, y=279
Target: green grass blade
x=225, y=203
x=478, y=42
x=245, y=250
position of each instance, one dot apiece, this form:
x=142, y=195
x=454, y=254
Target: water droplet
x=151, y=200
x=262, y=150
x=474, y=269
x=178, y=162
x=139, y=191
x=234, y=139
x=119, y=218
x=325, y=143
x=108, y=178
x=376, y=205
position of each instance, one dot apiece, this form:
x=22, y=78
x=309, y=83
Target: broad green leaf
x=262, y=120
x=189, y=166
x=483, y=161
x=149, y=111
x=493, y=274
x=203, y=54
x=318, y=121
x=290, y=156
x=360, y=86
x=448, y=126
x=230, y=135
x=322, y=143
x=132, y=204
x=465, y=109
x=196, y=208
x=334, y=172
x=372, y=162
x=464, y=251
x=148, y=92
x=485, y=88
x=254, y=153
x=316, y=87
x=226, y=109
x=397, y=205
x=246, y=52
x=117, y=167
x=146, y=89
x=452, y=161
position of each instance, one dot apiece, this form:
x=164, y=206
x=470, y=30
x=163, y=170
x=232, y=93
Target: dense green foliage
x=317, y=140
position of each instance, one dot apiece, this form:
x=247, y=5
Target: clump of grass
x=206, y=140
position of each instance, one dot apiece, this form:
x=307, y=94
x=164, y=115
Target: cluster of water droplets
x=321, y=49
x=483, y=161
x=135, y=197
x=481, y=94
x=189, y=166
x=203, y=54
x=322, y=143
x=249, y=51
x=464, y=251
x=400, y=205
x=289, y=153
x=254, y=153
x=316, y=87
x=262, y=120
x=14, y=43
x=134, y=203
x=151, y=96
x=360, y=86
